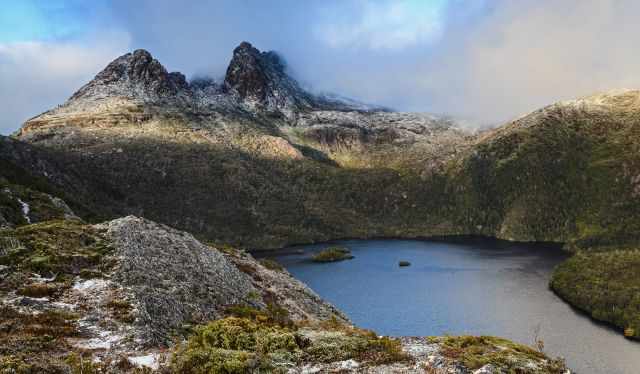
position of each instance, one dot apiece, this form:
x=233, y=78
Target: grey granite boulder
x=174, y=278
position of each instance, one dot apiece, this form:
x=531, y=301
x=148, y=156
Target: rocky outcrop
x=128, y=287
x=278, y=286
x=259, y=79
x=348, y=129
x=136, y=86
x=173, y=278
x=135, y=75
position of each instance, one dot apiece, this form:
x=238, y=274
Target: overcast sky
x=484, y=61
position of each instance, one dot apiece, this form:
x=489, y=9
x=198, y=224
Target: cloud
x=525, y=55
x=486, y=61
x=36, y=76
x=389, y=25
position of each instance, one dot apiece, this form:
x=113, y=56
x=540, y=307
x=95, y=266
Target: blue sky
x=482, y=60
x=47, y=20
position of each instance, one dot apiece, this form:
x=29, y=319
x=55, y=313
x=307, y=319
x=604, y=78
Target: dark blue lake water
x=478, y=287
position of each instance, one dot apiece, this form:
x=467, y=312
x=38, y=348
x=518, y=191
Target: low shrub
x=54, y=247
x=474, y=352
x=334, y=340
x=240, y=345
x=271, y=315
x=209, y=360
x=122, y=310
x=235, y=345
x=38, y=290
x=271, y=264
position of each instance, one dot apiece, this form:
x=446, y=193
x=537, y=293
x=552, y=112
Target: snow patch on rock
x=150, y=360
x=25, y=210
x=103, y=340
x=91, y=285
x=349, y=364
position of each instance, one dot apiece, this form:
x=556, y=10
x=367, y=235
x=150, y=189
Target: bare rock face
x=282, y=289
x=175, y=279
x=257, y=85
x=260, y=78
x=247, y=73
x=135, y=75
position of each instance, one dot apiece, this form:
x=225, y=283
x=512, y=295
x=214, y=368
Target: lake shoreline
x=477, y=250
x=260, y=253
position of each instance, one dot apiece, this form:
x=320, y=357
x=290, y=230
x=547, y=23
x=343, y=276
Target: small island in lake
x=333, y=254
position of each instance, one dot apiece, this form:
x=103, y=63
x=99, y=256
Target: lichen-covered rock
x=281, y=288
x=174, y=278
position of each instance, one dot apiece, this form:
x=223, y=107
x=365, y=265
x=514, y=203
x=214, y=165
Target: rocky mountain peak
x=256, y=82
x=135, y=75
x=261, y=78
x=250, y=71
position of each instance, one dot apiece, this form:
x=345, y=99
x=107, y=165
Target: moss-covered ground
x=58, y=249
x=254, y=340
x=474, y=352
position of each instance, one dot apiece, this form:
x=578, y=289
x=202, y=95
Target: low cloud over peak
x=487, y=63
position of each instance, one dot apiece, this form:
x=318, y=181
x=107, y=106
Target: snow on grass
x=90, y=285
x=40, y=279
x=150, y=361
x=104, y=340
x=25, y=210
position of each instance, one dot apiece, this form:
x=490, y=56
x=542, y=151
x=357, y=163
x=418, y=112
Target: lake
x=463, y=286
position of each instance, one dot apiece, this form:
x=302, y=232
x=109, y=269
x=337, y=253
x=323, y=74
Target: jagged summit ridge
x=250, y=71
x=136, y=75
x=254, y=81
x=260, y=78
x=257, y=87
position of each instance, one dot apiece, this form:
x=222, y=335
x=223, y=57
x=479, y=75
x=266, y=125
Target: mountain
x=254, y=161
x=135, y=75
x=259, y=78
x=566, y=173
x=257, y=161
